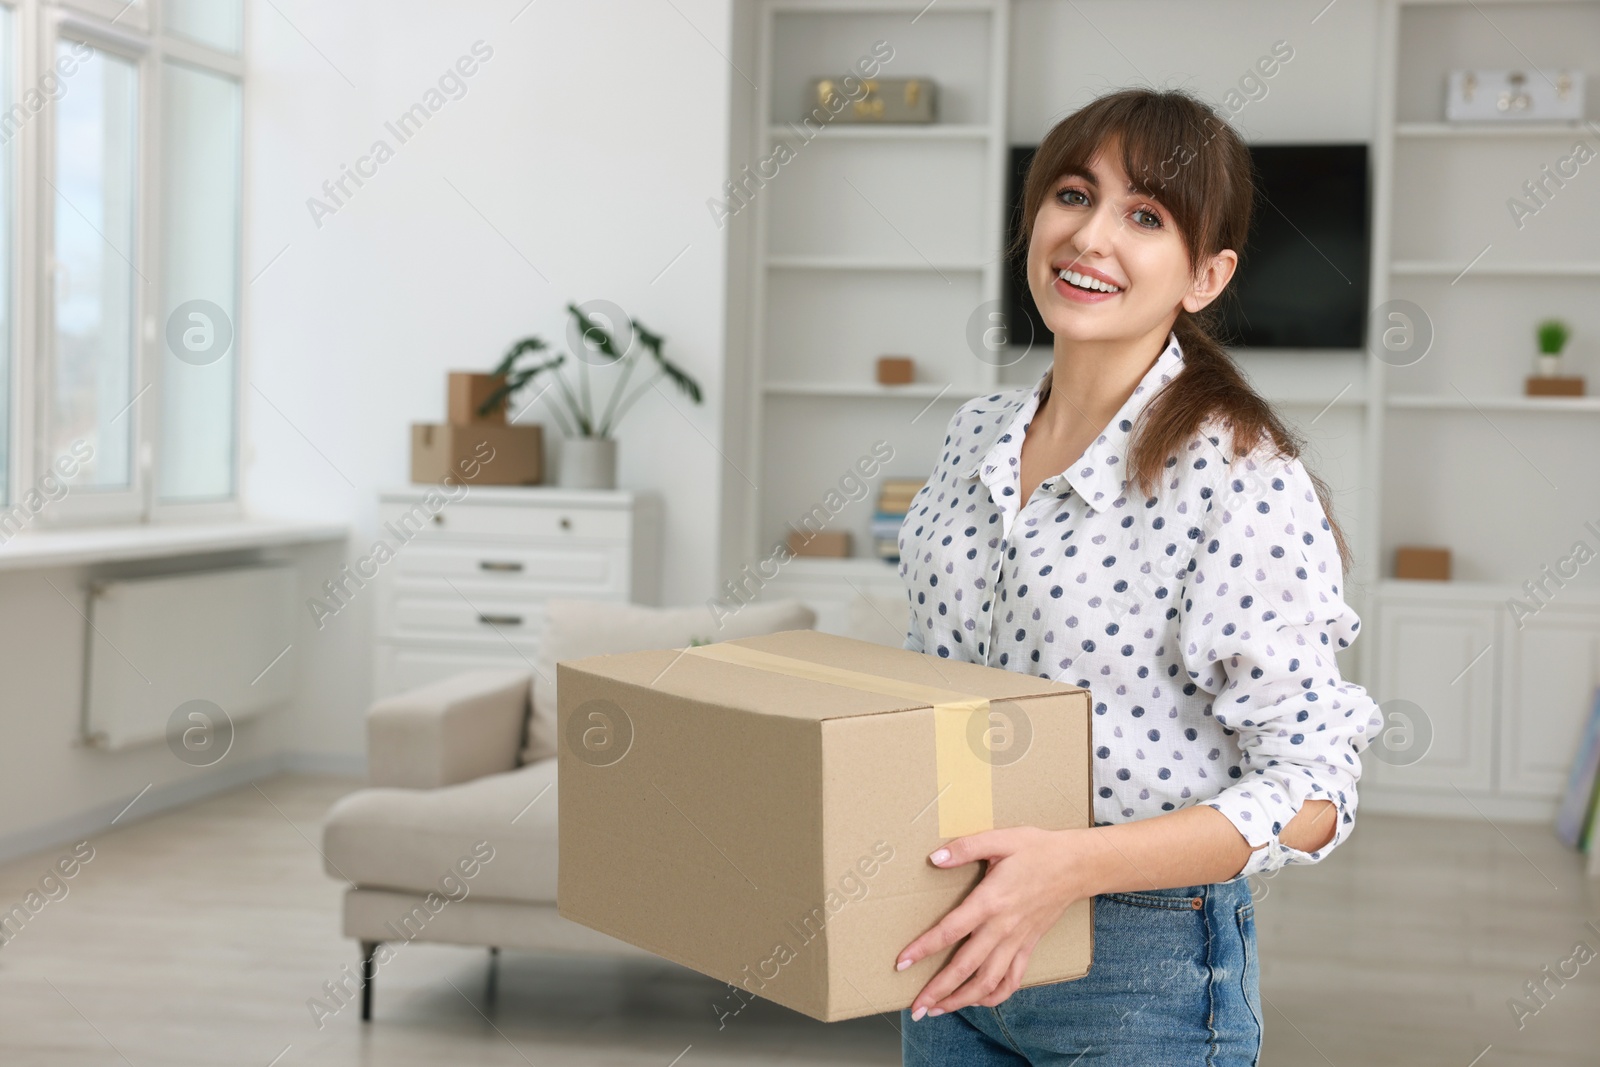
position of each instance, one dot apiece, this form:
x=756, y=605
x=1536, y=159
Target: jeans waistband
x=1234, y=887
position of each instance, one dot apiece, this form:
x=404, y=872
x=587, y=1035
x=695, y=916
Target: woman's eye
x=1154, y=219
x=1066, y=195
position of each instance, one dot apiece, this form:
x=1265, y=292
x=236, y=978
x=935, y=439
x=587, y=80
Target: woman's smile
x=1085, y=285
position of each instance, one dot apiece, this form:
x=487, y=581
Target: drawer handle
x=500, y=565
x=566, y=523
x=500, y=620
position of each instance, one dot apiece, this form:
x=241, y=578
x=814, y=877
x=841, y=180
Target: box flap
x=767, y=692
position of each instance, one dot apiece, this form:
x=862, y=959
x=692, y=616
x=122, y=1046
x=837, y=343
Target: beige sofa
x=455, y=839
x=444, y=774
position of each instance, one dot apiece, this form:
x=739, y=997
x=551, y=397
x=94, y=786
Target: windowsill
x=78, y=546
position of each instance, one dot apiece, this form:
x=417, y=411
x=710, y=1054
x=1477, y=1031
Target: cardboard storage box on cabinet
x=761, y=810
x=480, y=453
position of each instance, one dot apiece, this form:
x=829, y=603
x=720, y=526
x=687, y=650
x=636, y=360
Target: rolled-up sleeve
x=1263, y=616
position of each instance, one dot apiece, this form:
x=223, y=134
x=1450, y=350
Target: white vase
x=588, y=463
x=1549, y=365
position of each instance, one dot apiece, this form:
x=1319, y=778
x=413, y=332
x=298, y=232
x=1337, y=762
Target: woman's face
x=1125, y=246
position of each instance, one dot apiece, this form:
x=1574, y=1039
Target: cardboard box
x=1417, y=561
x=761, y=810
x=467, y=392
x=480, y=454
x=830, y=543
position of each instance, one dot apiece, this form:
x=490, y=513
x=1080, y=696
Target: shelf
x=863, y=568
x=1451, y=269
x=905, y=131
x=913, y=390
x=1498, y=403
x=1484, y=592
x=1506, y=129
x=858, y=263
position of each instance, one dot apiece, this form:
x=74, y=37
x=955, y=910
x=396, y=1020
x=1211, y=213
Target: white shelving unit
x=871, y=240
x=1462, y=457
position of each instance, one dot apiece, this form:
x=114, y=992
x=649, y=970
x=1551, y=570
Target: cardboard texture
x=481, y=453
x=761, y=810
x=465, y=394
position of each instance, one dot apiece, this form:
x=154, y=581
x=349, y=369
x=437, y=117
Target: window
x=94, y=349
x=128, y=116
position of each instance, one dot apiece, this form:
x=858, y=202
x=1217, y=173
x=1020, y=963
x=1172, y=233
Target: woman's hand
x=1033, y=877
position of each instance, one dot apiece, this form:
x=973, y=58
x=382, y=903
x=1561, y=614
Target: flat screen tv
x=1302, y=276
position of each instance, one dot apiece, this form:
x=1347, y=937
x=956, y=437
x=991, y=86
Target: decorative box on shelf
x=896, y=370
x=1422, y=562
x=1514, y=96
x=876, y=99
x=1555, y=385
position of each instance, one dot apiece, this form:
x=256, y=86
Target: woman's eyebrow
x=1133, y=187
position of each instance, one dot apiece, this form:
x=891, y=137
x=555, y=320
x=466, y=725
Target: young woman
x=1138, y=523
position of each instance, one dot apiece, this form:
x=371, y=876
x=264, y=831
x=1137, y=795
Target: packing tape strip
x=964, y=774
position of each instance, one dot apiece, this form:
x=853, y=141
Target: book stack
x=894, y=500
x=1575, y=821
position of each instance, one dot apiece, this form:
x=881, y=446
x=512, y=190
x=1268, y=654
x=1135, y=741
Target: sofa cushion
x=577, y=628
x=411, y=839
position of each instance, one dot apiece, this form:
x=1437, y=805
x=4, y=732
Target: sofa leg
x=493, y=983
x=369, y=949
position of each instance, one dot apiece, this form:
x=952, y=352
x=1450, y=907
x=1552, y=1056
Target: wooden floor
x=198, y=937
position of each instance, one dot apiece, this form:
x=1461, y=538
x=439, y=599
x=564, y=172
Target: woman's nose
x=1094, y=237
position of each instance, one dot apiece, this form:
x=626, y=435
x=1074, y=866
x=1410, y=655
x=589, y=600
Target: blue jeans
x=1173, y=983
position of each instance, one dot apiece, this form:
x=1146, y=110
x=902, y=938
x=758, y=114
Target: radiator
x=158, y=643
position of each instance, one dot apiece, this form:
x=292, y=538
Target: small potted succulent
x=1553, y=335
x=589, y=452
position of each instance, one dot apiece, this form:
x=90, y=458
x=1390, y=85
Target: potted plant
x=1553, y=334
x=589, y=453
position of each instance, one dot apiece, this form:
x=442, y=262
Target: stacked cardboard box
x=894, y=500
x=482, y=449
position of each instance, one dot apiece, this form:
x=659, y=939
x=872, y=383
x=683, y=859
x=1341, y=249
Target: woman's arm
x=1035, y=875
x=1193, y=846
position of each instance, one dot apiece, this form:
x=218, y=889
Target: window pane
x=95, y=190
x=200, y=169
x=218, y=23
x=7, y=207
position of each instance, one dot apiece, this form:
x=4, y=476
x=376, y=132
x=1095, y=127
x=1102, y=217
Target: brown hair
x=1177, y=150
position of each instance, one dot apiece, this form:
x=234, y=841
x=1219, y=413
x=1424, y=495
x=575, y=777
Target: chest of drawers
x=467, y=581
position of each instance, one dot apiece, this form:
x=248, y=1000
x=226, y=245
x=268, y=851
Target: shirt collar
x=1099, y=476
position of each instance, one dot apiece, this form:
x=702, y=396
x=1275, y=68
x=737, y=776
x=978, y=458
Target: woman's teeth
x=1083, y=281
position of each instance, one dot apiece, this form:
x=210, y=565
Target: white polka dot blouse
x=1203, y=620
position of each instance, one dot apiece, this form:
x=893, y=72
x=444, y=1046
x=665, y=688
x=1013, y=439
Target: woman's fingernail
x=935, y=1011
x=902, y=965
x=940, y=856
x=918, y=1014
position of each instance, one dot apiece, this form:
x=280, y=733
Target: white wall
x=1066, y=52
x=589, y=142
x=583, y=150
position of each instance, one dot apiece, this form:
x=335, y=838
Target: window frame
x=137, y=35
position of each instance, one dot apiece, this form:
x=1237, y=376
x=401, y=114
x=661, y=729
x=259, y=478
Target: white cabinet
x=1549, y=688
x=467, y=584
x=1506, y=704
x=1427, y=649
